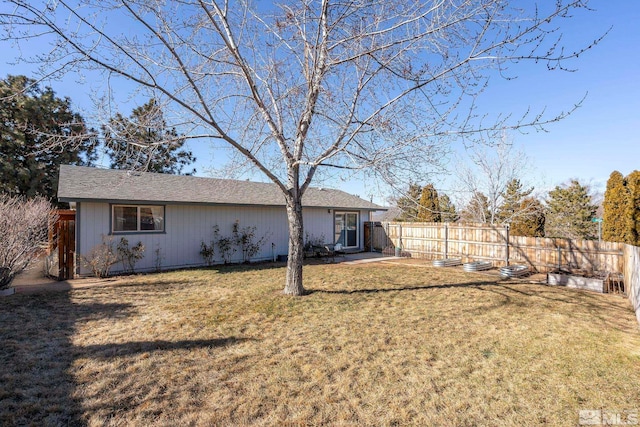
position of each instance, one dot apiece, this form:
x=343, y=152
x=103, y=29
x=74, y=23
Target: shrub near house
x=23, y=231
x=103, y=256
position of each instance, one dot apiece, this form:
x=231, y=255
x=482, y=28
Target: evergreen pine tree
x=409, y=203
x=143, y=142
x=31, y=118
x=511, y=208
x=532, y=224
x=632, y=217
x=447, y=209
x=616, y=200
x=429, y=209
x=570, y=212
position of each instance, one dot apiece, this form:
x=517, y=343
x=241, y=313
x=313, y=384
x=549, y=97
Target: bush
x=104, y=256
x=225, y=245
x=159, y=258
x=129, y=256
x=23, y=232
x=208, y=253
x=244, y=239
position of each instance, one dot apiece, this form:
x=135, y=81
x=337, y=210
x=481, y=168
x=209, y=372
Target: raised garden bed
x=514, y=271
x=477, y=266
x=577, y=282
x=448, y=262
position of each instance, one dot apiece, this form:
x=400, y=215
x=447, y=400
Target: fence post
x=61, y=247
x=387, y=242
x=372, y=228
x=446, y=240
x=507, y=244
x=559, y=259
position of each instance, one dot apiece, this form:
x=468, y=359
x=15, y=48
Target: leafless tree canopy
x=297, y=86
x=317, y=83
x=484, y=177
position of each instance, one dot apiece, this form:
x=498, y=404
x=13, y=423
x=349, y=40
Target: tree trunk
x=293, y=285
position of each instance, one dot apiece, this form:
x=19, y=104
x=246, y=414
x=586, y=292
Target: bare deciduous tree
x=23, y=232
x=303, y=86
x=485, y=180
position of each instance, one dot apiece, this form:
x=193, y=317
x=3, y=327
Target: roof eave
x=169, y=202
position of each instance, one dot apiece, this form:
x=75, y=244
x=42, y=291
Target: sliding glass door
x=346, y=229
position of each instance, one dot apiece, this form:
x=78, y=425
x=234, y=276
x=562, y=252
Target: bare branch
x=304, y=86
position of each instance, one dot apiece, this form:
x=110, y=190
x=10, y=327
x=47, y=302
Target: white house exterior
x=172, y=215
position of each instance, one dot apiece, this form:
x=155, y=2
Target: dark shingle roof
x=92, y=184
x=390, y=215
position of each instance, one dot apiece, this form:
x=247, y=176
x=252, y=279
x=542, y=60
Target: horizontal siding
x=186, y=226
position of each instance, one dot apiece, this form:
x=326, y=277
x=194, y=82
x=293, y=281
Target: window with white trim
x=135, y=218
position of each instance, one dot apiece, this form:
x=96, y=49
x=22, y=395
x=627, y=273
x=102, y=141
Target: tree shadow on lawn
x=105, y=351
x=37, y=355
x=238, y=267
x=401, y=288
x=140, y=381
x=602, y=307
x=546, y=292
x=610, y=310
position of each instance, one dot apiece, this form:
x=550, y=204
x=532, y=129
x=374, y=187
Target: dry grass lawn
x=373, y=344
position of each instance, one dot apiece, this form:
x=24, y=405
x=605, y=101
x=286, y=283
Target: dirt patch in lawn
x=373, y=344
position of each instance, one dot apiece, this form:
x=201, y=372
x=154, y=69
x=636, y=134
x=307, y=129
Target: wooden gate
x=375, y=238
x=368, y=244
x=62, y=245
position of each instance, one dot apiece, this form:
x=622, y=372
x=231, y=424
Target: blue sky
x=601, y=136
x=604, y=133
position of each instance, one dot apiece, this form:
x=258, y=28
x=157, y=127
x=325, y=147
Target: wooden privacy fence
x=632, y=276
x=60, y=261
x=480, y=242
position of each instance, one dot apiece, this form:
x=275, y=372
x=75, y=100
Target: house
x=390, y=214
x=172, y=215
